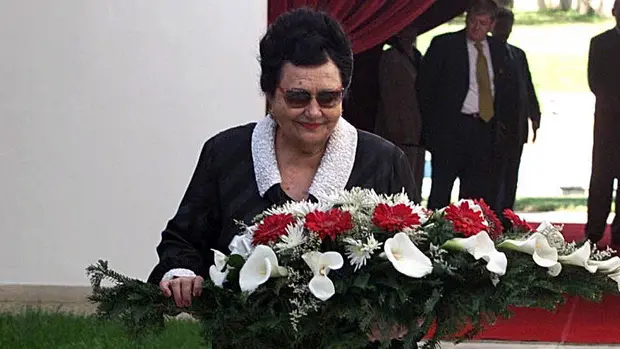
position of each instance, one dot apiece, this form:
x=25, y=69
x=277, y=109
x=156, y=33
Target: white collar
x=335, y=167
x=483, y=42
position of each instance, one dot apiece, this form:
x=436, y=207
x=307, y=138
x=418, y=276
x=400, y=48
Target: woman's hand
x=396, y=332
x=182, y=289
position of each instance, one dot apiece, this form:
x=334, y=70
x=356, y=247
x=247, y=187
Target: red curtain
x=368, y=23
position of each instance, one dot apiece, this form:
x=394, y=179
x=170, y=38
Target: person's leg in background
x=599, y=195
x=415, y=156
x=445, y=166
x=478, y=180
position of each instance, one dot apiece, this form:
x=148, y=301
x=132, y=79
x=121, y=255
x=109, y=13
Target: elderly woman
x=301, y=150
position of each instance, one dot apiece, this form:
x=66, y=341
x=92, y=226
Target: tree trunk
x=542, y=5
x=566, y=5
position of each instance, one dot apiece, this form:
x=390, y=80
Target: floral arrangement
x=330, y=273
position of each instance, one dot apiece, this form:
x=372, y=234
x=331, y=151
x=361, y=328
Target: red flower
x=495, y=226
x=271, y=228
x=330, y=223
x=516, y=221
x=465, y=220
x=394, y=218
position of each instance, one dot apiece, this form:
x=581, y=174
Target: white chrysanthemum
x=295, y=236
x=359, y=252
x=299, y=209
x=552, y=233
x=421, y=212
x=400, y=198
x=356, y=197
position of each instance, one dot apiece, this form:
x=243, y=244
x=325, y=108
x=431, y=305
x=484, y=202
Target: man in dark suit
x=604, y=81
x=516, y=133
x=398, y=119
x=467, y=89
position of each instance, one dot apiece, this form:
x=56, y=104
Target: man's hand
x=182, y=289
x=535, y=126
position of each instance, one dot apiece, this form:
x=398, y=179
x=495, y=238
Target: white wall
x=104, y=106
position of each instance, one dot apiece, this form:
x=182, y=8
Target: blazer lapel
x=462, y=55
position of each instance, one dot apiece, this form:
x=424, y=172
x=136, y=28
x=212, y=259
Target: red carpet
x=578, y=321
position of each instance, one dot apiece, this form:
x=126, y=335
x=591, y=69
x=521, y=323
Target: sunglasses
x=299, y=98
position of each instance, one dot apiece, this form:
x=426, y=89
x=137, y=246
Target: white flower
x=320, y=264
x=581, y=257
x=294, y=237
x=616, y=277
x=219, y=259
x=299, y=208
x=358, y=252
x=481, y=246
x=258, y=268
x=406, y=257
x=242, y=244
x=401, y=198
x=216, y=271
x=611, y=265
x=552, y=233
x=218, y=277
x=538, y=246
x=356, y=197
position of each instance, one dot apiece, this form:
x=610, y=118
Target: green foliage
x=453, y=301
x=445, y=300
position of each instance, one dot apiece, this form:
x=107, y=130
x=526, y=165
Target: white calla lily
x=219, y=259
x=611, y=265
x=320, y=264
x=536, y=245
x=581, y=257
x=555, y=269
x=481, y=246
x=616, y=277
x=258, y=268
x=406, y=257
x=217, y=276
x=216, y=271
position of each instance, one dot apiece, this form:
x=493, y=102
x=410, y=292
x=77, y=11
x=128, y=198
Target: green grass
x=550, y=204
x=543, y=204
x=557, y=53
x=34, y=329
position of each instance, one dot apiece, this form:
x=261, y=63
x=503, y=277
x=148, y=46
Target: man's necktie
x=485, y=98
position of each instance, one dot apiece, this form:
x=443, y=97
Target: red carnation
x=394, y=218
x=516, y=221
x=464, y=219
x=271, y=228
x=495, y=226
x=330, y=223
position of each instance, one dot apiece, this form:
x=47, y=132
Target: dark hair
x=504, y=13
x=303, y=37
x=480, y=7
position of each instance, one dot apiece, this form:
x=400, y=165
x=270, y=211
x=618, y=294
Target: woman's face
x=307, y=104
